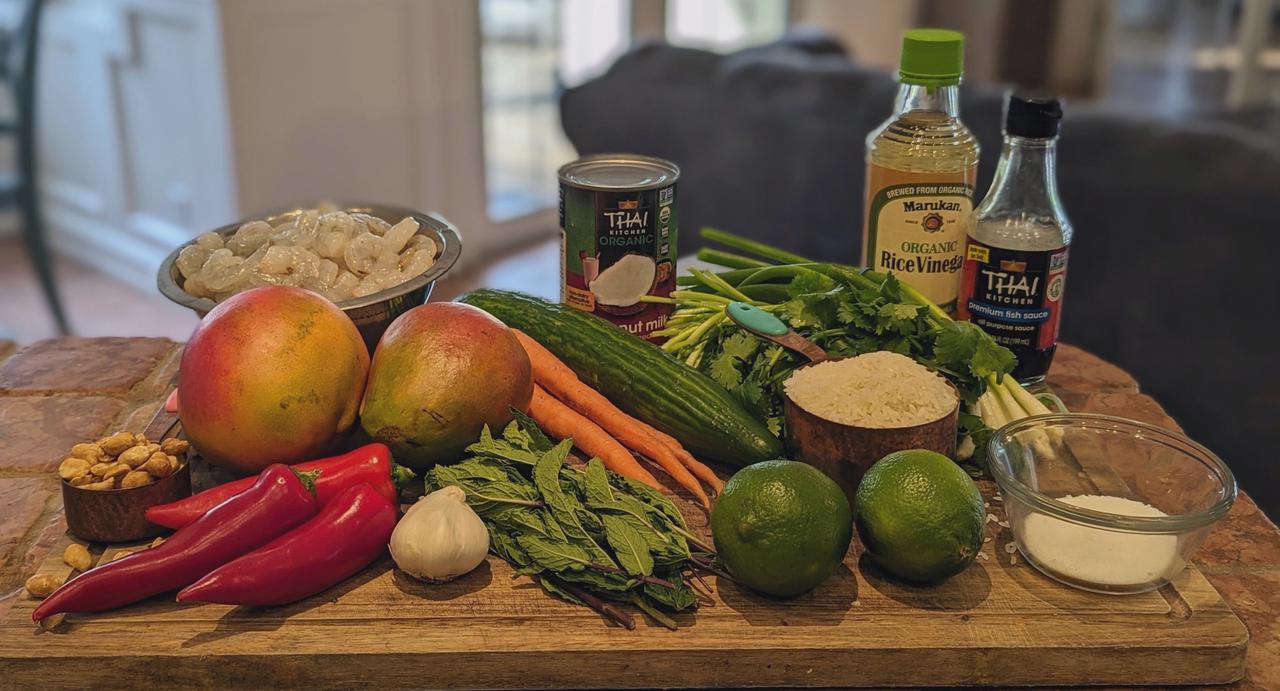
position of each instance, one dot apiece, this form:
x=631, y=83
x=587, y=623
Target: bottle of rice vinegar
x=921, y=167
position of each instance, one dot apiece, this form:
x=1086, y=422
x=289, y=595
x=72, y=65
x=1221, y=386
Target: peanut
x=82, y=480
x=89, y=452
x=98, y=486
x=42, y=585
x=159, y=465
x=140, y=439
x=174, y=446
x=77, y=557
x=135, y=478
x=134, y=456
x=117, y=443
x=115, y=470
x=99, y=469
x=72, y=468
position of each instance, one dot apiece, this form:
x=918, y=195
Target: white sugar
x=1101, y=556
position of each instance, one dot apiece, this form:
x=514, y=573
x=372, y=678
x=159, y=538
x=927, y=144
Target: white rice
x=879, y=390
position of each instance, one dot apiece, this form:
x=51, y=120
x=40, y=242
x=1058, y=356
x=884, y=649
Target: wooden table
x=998, y=622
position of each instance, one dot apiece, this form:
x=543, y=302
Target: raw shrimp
x=362, y=252
x=338, y=221
x=328, y=271
x=191, y=259
x=308, y=221
x=336, y=253
x=399, y=235
x=210, y=241
x=373, y=224
x=253, y=261
x=298, y=236
x=345, y=284
x=249, y=237
x=195, y=286
x=386, y=278
x=222, y=270
x=290, y=261
x=416, y=262
x=332, y=243
x=422, y=241
x=368, y=286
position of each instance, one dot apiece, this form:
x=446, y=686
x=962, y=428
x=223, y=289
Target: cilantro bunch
x=587, y=536
x=845, y=310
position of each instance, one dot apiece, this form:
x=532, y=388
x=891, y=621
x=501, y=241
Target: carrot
x=698, y=468
x=561, y=421
x=556, y=377
x=541, y=357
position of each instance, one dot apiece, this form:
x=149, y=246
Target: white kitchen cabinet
x=133, y=130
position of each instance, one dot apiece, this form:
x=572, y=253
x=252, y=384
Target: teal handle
x=756, y=320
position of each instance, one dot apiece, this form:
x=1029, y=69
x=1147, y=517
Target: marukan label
x=916, y=228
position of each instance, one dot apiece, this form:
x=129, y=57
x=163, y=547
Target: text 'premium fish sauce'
x=1015, y=269
x=618, y=239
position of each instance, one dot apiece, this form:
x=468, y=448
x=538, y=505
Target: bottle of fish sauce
x=1016, y=256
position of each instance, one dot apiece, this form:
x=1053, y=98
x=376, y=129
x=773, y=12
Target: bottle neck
x=1027, y=179
x=938, y=99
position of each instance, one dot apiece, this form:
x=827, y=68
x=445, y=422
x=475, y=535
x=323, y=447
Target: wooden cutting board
x=997, y=623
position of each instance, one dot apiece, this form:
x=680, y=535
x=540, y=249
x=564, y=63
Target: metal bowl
x=372, y=314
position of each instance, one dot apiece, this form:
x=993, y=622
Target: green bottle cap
x=932, y=57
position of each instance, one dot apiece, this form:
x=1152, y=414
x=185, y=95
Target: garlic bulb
x=440, y=537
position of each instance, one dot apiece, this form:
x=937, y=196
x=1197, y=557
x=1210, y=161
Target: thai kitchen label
x=617, y=248
x=916, y=229
x=1016, y=296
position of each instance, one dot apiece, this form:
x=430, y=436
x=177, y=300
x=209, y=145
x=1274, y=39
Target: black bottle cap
x=1035, y=116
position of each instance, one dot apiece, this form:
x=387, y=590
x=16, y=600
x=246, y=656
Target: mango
x=441, y=372
x=271, y=375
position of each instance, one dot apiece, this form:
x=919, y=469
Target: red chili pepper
x=369, y=464
x=347, y=535
x=278, y=501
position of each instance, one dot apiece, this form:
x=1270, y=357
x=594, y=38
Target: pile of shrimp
x=337, y=254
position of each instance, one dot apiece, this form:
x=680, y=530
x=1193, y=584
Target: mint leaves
x=586, y=535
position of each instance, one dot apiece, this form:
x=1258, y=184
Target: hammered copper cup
x=117, y=515
x=845, y=452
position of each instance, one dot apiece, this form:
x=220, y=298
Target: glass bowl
x=1107, y=504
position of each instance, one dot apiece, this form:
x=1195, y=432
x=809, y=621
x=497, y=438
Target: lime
x=781, y=527
x=919, y=516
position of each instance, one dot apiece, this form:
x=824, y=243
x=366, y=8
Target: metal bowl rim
x=451, y=249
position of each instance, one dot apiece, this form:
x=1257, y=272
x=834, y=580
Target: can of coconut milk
x=618, y=238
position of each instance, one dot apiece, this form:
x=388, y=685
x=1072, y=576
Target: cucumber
x=639, y=378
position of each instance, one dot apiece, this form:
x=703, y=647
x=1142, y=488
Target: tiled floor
x=98, y=305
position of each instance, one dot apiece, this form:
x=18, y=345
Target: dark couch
x=1173, y=275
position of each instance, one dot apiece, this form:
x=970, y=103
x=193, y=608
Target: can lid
x=1035, y=116
x=619, y=172
x=932, y=57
